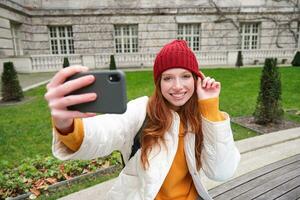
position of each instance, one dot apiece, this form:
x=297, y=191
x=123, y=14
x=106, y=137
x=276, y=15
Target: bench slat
x=229, y=185
x=258, y=181
x=281, y=190
x=267, y=186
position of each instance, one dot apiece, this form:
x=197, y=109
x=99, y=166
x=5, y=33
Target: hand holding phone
x=58, y=101
x=110, y=87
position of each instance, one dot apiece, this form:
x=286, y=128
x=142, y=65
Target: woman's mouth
x=178, y=96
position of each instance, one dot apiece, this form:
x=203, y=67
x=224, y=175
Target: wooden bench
x=279, y=180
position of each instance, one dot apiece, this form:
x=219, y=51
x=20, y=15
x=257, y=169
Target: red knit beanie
x=175, y=54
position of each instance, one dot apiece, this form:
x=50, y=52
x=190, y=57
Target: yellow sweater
x=178, y=184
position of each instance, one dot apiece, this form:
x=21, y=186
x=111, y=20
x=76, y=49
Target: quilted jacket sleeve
x=105, y=133
x=219, y=157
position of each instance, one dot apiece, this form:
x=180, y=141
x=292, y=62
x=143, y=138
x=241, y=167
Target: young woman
x=185, y=137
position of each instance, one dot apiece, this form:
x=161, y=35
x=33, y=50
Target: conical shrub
x=112, y=64
x=268, y=106
x=296, y=60
x=11, y=89
x=239, y=60
x=66, y=62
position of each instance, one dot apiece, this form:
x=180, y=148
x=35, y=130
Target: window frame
x=126, y=38
x=16, y=40
x=250, y=35
x=195, y=36
x=61, y=40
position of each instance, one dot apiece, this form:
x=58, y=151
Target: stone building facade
x=33, y=28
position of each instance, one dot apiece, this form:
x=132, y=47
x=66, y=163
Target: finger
x=68, y=114
x=216, y=85
x=209, y=83
x=75, y=84
x=64, y=73
x=204, y=82
x=73, y=100
x=70, y=86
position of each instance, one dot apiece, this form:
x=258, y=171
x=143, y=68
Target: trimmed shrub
x=112, y=64
x=296, y=60
x=239, y=60
x=11, y=89
x=268, y=105
x=66, y=62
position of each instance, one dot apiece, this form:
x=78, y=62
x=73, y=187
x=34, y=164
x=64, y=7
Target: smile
x=178, y=95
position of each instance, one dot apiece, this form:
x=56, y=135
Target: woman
x=185, y=137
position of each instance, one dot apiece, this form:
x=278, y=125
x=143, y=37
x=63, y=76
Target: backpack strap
x=136, y=141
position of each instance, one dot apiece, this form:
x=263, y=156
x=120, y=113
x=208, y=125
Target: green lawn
x=25, y=130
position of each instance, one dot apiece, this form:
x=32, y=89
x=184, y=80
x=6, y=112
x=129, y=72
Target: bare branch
x=222, y=16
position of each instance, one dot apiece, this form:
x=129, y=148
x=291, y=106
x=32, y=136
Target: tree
x=11, y=89
x=296, y=59
x=239, y=61
x=112, y=64
x=268, y=105
x=66, y=62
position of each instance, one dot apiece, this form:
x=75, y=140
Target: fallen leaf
x=35, y=191
x=66, y=176
x=62, y=167
x=39, y=183
x=51, y=180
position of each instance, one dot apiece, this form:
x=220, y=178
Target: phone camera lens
x=114, y=78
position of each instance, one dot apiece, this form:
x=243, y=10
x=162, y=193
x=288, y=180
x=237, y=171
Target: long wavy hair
x=159, y=113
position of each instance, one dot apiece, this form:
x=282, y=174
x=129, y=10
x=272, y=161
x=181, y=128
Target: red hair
x=160, y=119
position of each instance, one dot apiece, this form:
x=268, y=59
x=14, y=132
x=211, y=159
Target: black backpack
x=136, y=141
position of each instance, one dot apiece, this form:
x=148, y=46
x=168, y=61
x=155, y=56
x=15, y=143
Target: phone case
x=110, y=87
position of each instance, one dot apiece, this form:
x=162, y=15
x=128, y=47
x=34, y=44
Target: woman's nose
x=177, y=84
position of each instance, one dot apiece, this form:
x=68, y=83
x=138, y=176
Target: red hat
x=175, y=54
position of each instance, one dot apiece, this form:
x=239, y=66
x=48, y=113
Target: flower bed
x=36, y=175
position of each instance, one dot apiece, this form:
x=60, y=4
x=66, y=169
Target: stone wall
x=93, y=28
x=75, y=4
x=6, y=47
x=94, y=34
x=7, y=17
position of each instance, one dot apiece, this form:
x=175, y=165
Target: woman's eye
x=187, y=76
x=167, y=78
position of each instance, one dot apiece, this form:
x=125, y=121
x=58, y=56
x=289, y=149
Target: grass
x=25, y=129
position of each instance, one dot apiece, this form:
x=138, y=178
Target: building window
x=191, y=34
x=15, y=33
x=126, y=38
x=250, y=35
x=61, y=40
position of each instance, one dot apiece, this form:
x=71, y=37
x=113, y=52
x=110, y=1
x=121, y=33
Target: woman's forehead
x=176, y=70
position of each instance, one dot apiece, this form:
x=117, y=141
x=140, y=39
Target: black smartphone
x=110, y=87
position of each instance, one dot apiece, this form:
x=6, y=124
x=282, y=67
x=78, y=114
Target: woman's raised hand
x=58, y=98
x=208, y=88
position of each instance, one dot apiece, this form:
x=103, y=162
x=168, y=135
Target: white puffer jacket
x=105, y=133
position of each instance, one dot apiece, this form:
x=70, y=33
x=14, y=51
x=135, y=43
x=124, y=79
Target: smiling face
x=177, y=86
